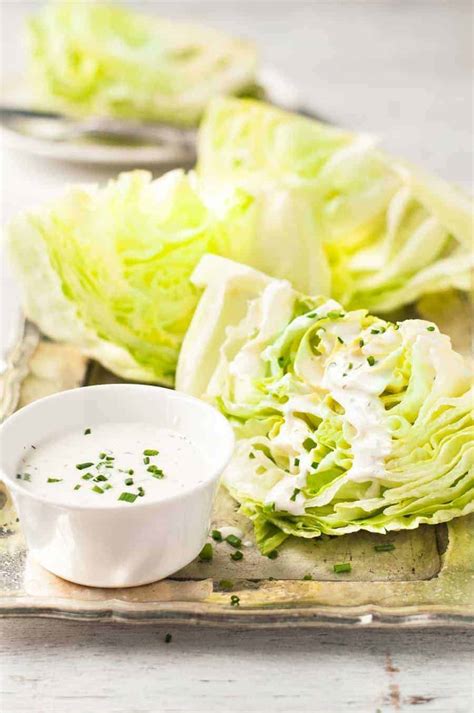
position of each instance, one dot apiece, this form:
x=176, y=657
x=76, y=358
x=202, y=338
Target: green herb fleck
x=251, y=455
x=334, y=314
x=272, y=555
x=295, y=493
x=102, y=455
x=233, y=541
x=107, y=486
x=309, y=444
x=100, y=478
x=128, y=497
x=168, y=638
x=55, y=480
x=237, y=555
x=350, y=365
x=297, y=462
x=97, y=489
x=87, y=476
x=76, y=487
x=340, y=340
x=384, y=547
x=83, y=466
x=150, y=452
x=206, y=554
x=130, y=472
x=141, y=491
x=342, y=567
x=375, y=331
x=87, y=431
x=234, y=601
x=430, y=329
x=361, y=342
x=216, y=535
x=156, y=472
x=146, y=460
x=371, y=360
x=128, y=481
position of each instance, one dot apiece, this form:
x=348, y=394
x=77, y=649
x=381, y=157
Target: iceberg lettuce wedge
x=92, y=58
x=389, y=233
x=108, y=268
x=344, y=421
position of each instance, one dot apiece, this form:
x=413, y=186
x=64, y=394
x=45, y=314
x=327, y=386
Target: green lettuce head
x=389, y=233
x=92, y=58
x=344, y=421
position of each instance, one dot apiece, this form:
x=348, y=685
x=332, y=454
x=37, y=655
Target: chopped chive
x=87, y=476
x=226, y=584
x=361, y=342
x=55, y=480
x=87, y=431
x=233, y=540
x=83, y=466
x=150, y=452
x=107, y=486
x=340, y=340
x=297, y=462
x=309, y=444
x=96, y=489
x=295, y=493
x=307, y=577
x=430, y=329
x=342, y=567
x=234, y=601
x=371, y=360
x=168, y=638
x=19, y=476
x=375, y=331
x=251, y=455
x=216, y=535
x=102, y=455
x=272, y=555
x=384, y=547
x=334, y=314
x=128, y=497
x=156, y=472
x=206, y=553
x=109, y=458
x=146, y=460
x=130, y=471
x=128, y=481
x=76, y=487
x=99, y=478
x=27, y=477
x=141, y=491
x=237, y=555
x=281, y=361
x=350, y=365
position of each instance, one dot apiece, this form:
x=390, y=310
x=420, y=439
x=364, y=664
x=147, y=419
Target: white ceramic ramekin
x=126, y=544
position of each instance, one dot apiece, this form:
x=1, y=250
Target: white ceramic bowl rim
x=226, y=434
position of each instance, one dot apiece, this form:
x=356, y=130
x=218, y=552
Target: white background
x=400, y=69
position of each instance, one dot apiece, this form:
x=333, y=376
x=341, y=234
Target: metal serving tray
x=427, y=580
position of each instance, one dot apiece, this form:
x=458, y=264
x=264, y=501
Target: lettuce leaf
x=389, y=233
x=344, y=421
x=91, y=58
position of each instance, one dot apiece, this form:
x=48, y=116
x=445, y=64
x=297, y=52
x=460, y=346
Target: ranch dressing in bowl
x=112, y=464
x=66, y=460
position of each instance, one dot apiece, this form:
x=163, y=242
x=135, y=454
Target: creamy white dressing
x=106, y=457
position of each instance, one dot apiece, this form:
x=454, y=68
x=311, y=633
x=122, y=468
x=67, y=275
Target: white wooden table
x=400, y=69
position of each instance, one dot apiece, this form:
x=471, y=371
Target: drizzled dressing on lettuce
x=344, y=421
